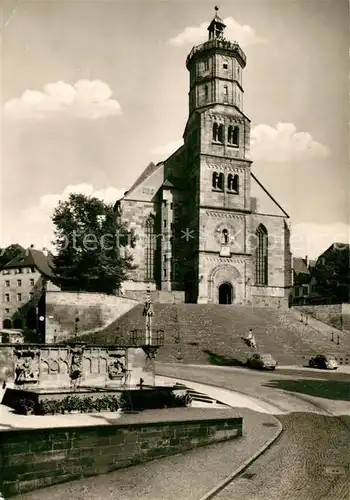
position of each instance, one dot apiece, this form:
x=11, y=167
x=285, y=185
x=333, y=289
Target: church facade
x=207, y=231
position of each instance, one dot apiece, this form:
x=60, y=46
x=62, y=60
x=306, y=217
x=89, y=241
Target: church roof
x=268, y=196
x=146, y=173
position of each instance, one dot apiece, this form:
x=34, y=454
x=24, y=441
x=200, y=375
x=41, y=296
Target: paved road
x=310, y=460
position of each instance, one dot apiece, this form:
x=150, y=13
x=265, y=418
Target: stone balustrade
x=218, y=44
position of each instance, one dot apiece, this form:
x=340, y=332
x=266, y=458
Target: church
x=207, y=230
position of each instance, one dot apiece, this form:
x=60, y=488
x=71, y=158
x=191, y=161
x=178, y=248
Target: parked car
x=322, y=361
x=262, y=362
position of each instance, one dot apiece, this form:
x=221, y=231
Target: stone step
x=194, y=328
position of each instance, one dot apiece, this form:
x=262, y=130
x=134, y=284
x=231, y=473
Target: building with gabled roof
x=302, y=280
x=22, y=283
x=42, y=261
x=207, y=229
x=331, y=276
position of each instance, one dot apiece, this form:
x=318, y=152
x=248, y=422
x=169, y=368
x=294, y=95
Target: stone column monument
x=149, y=349
x=148, y=313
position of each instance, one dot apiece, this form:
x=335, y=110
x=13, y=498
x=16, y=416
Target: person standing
x=251, y=339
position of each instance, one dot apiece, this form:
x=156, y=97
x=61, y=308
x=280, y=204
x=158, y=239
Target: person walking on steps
x=250, y=339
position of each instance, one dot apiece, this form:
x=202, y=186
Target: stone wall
x=276, y=292
x=136, y=213
x=32, y=459
x=337, y=315
x=158, y=296
x=346, y=317
x=265, y=297
x=94, y=310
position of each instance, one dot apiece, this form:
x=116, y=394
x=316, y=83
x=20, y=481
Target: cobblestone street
x=310, y=459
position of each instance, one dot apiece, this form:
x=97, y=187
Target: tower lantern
x=216, y=27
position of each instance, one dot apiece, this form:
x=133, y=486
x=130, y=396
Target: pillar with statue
x=152, y=344
x=148, y=312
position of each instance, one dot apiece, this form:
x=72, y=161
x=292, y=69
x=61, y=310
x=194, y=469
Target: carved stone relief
x=117, y=367
x=65, y=365
x=76, y=364
x=227, y=270
x=26, y=366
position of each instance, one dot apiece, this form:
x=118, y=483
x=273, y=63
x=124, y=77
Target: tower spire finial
x=217, y=26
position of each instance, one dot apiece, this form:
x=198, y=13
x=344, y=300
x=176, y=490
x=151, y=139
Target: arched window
x=215, y=132
x=261, y=256
x=233, y=183
x=206, y=92
x=221, y=180
x=221, y=133
x=225, y=93
x=150, y=248
x=224, y=238
x=218, y=180
x=230, y=134
x=235, y=136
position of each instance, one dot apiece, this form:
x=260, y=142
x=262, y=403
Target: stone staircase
x=211, y=333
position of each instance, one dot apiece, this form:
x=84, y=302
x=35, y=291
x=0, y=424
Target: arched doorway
x=225, y=293
x=7, y=323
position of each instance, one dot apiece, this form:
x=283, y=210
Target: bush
x=128, y=401
x=84, y=404
x=25, y=407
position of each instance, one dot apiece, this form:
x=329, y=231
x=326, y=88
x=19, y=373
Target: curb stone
x=214, y=491
x=257, y=399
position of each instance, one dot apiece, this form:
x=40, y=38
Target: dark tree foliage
x=90, y=246
x=332, y=274
x=9, y=253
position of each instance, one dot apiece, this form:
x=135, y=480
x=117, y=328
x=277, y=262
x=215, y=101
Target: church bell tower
x=215, y=69
x=220, y=162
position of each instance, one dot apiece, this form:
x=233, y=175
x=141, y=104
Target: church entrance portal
x=225, y=293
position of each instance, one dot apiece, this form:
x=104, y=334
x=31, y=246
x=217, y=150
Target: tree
x=90, y=244
x=9, y=253
x=332, y=273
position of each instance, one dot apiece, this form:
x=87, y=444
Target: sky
x=92, y=91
